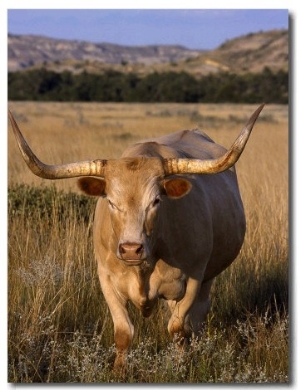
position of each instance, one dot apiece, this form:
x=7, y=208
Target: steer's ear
x=177, y=187
x=92, y=186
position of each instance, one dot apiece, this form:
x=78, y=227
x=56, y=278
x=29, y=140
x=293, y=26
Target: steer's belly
x=169, y=282
x=174, y=290
x=164, y=282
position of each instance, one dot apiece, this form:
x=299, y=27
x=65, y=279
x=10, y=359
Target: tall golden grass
x=59, y=327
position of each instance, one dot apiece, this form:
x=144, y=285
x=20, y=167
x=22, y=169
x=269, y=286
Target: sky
x=192, y=28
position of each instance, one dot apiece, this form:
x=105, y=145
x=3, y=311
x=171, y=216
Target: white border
x=188, y=4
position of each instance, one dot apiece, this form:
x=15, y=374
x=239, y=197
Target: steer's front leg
x=123, y=337
x=123, y=328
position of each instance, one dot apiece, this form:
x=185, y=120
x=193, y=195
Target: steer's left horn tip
x=259, y=108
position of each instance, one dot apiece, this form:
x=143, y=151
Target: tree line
x=113, y=86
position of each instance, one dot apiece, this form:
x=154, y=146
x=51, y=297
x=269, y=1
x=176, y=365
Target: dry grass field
x=59, y=326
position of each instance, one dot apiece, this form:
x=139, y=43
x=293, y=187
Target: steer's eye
x=156, y=202
x=112, y=205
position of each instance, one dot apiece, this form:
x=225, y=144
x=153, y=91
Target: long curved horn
x=174, y=166
x=80, y=168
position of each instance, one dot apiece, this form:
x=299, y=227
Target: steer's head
x=134, y=187
x=134, y=190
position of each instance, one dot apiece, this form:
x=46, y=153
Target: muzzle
x=132, y=253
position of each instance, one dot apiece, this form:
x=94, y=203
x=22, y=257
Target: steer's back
x=184, y=143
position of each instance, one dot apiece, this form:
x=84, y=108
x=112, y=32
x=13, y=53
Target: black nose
x=131, y=251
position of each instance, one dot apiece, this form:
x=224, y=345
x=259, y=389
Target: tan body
x=168, y=220
x=194, y=237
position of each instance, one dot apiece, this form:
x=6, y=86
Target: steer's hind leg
x=189, y=314
x=123, y=328
x=199, y=310
x=177, y=323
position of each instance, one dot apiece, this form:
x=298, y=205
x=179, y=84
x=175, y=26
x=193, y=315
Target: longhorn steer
x=166, y=223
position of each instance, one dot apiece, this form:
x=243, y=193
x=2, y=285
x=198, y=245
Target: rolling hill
x=249, y=53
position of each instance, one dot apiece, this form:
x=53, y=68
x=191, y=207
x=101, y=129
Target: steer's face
x=134, y=190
